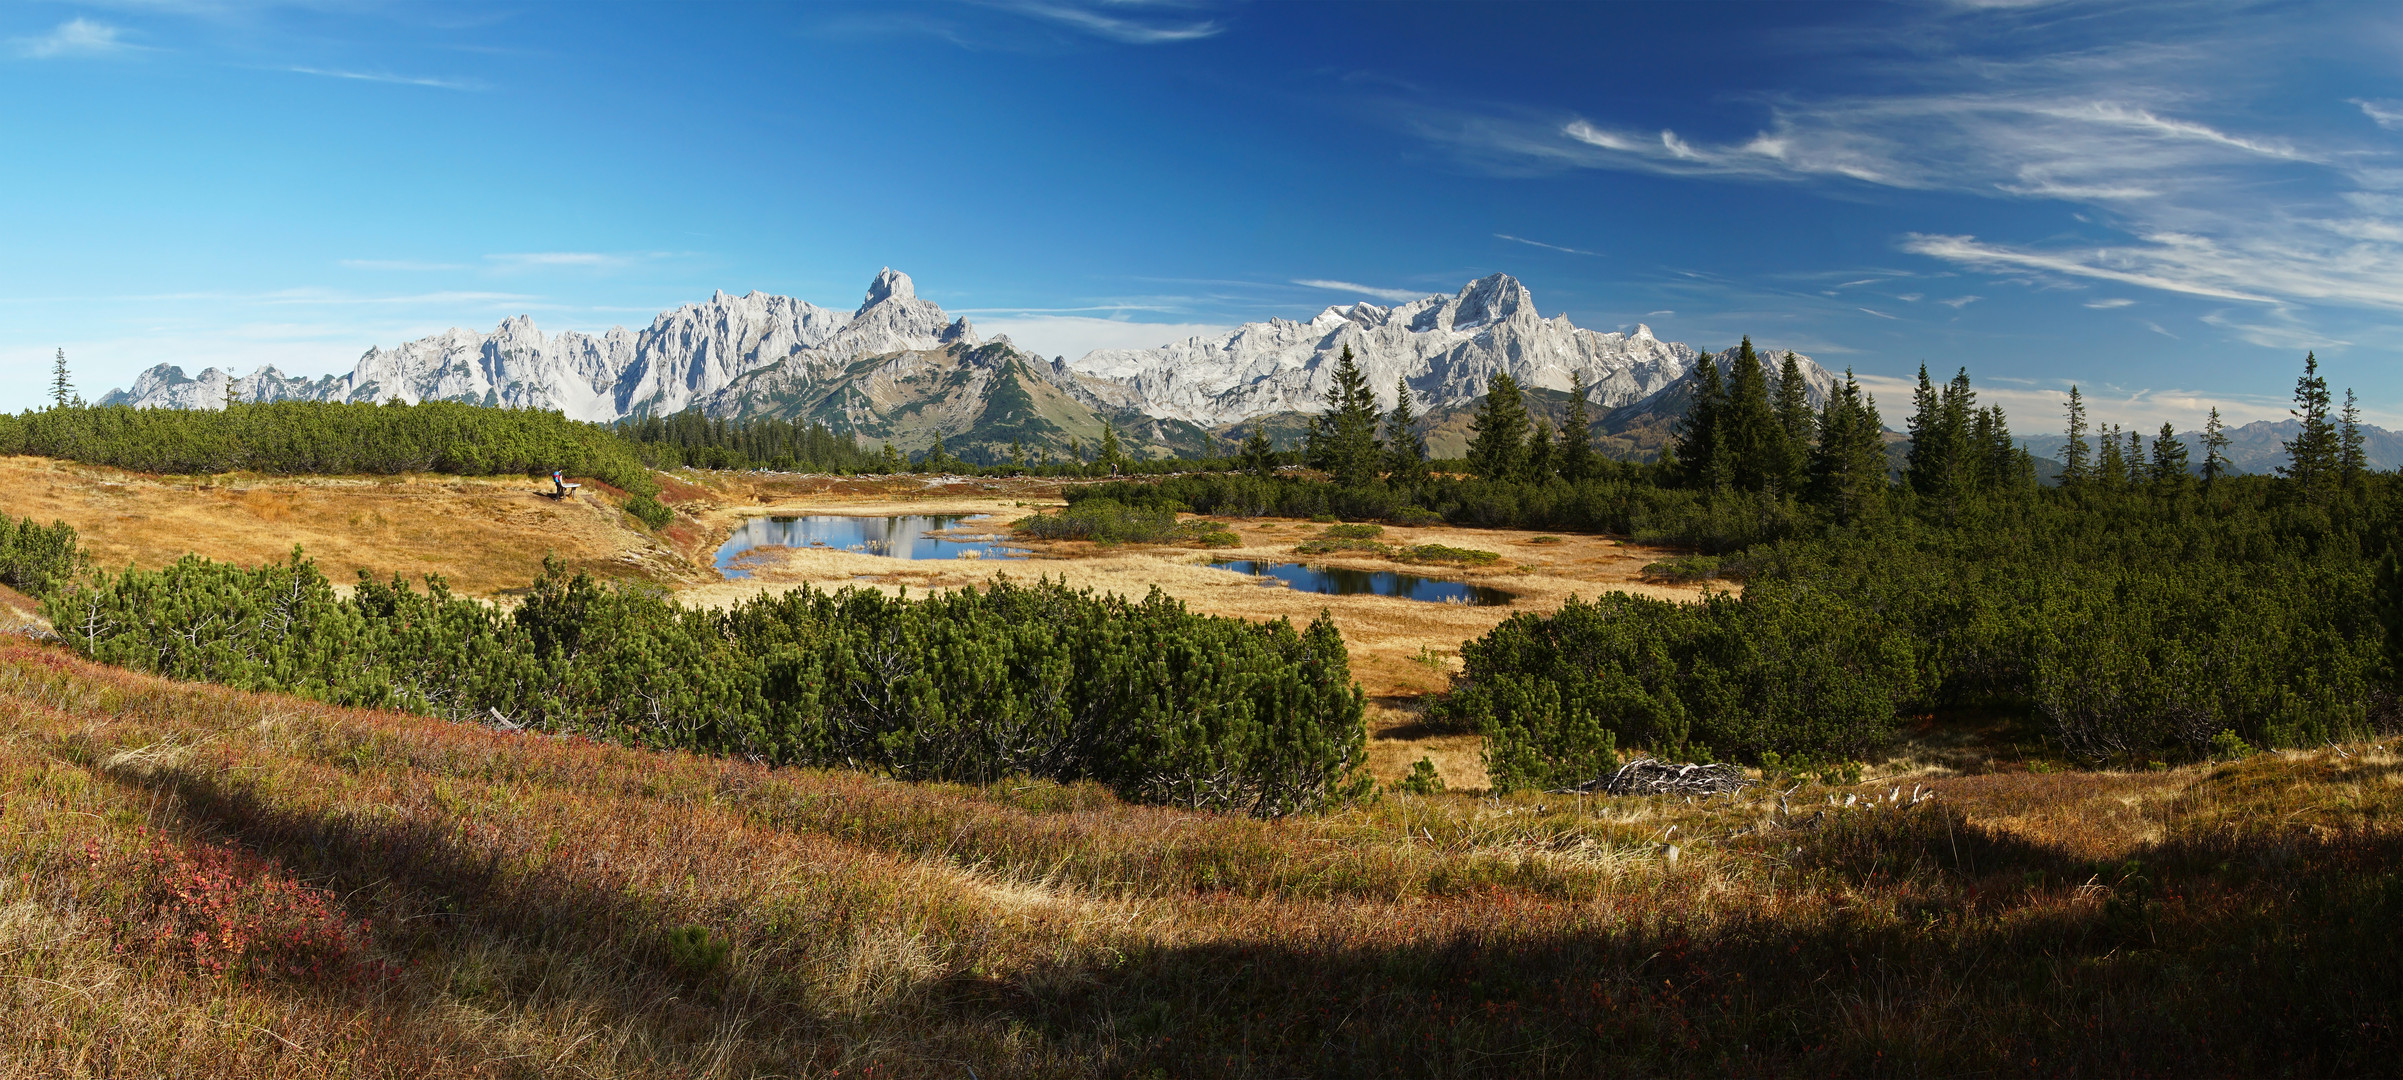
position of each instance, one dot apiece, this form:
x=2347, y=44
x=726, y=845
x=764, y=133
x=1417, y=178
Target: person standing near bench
x=559, y=482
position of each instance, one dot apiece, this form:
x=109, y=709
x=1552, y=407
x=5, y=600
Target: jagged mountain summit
x=685, y=354
x=1448, y=348
x=898, y=369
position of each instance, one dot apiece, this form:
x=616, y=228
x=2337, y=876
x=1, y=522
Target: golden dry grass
x=487, y=535
x=525, y=896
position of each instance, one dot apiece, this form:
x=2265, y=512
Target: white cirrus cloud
x=2158, y=147
x=388, y=77
x=1391, y=295
x=1541, y=244
x=2385, y=114
x=2126, y=264
x=75, y=37
x=1959, y=302
x=1118, y=28
x=2108, y=303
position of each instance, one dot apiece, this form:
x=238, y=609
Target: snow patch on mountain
x=1448, y=348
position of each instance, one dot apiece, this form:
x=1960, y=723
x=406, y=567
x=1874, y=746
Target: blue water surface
x=903, y=536
x=1335, y=581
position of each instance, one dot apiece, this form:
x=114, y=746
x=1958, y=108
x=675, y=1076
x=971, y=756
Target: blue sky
x=2167, y=204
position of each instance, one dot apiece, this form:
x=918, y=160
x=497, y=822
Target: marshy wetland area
x=198, y=879
x=488, y=537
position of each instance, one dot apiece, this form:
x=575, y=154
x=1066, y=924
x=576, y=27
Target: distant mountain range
x=898, y=369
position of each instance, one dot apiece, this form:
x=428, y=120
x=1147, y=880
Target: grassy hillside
x=978, y=400
x=204, y=882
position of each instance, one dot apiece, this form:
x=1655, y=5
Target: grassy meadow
x=196, y=881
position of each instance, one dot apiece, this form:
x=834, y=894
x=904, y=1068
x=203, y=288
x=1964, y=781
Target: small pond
x=906, y=536
x=1334, y=581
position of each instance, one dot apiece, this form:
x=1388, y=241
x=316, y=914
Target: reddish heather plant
x=222, y=910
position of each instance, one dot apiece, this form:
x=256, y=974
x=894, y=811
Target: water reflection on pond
x=904, y=536
x=1335, y=581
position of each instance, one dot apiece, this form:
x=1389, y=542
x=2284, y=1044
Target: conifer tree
x=1540, y=466
x=2074, y=469
x=1344, y=441
x=1750, y=434
x=1576, y=456
x=1405, y=448
x=1259, y=454
x=1848, y=466
x=1498, y=449
x=2352, y=458
x=1700, y=445
x=2111, y=466
x=1111, y=452
x=2215, y=448
x=2135, y=459
x=1794, y=416
x=2002, y=465
x=61, y=387
x=2169, y=458
x=1942, y=463
x=2312, y=456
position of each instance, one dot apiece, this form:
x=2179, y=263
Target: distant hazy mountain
x=899, y=370
x=2258, y=447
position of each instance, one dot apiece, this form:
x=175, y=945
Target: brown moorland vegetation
x=199, y=881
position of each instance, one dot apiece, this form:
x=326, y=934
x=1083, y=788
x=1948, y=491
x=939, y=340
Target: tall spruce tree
x=1700, y=443
x=2169, y=458
x=1405, y=447
x=2111, y=465
x=1942, y=463
x=1576, y=456
x=2313, y=455
x=2076, y=469
x=1111, y=452
x=1344, y=441
x=2352, y=457
x=1848, y=466
x=1259, y=455
x=1750, y=433
x=2215, y=448
x=62, y=388
x=1794, y=417
x=1498, y=447
x=2002, y=465
x=1541, y=467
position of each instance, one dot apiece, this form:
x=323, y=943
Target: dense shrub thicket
x=35, y=559
x=1106, y=521
x=1793, y=673
x=313, y=437
x=2134, y=624
x=2148, y=605
x=1159, y=703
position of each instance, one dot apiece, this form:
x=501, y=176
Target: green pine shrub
x=35, y=559
x=1156, y=702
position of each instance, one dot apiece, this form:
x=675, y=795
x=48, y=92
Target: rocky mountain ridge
x=684, y=355
x=898, y=369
